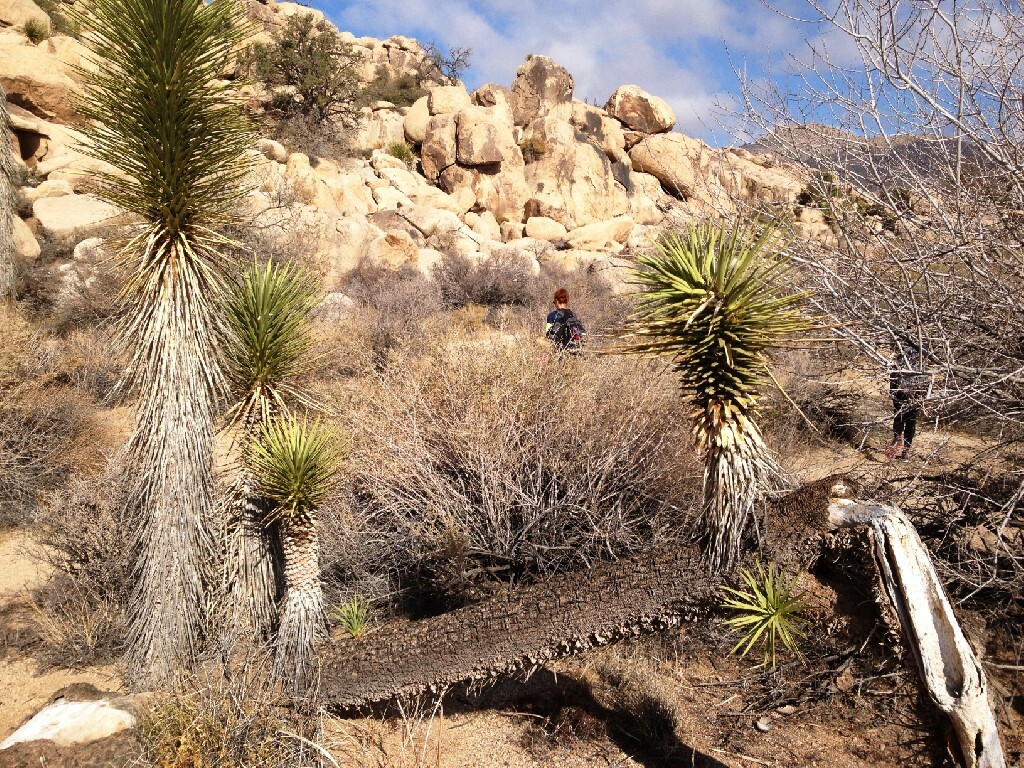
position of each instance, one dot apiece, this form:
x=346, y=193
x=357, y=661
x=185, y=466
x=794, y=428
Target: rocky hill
x=525, y=168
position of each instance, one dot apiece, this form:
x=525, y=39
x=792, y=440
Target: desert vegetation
x=238, y=451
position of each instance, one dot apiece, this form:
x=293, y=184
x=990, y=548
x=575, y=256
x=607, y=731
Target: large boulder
x=70, y=219
x=439, y=148
x=685, y=167
x=542, y=88
x=570, y=178
x=416, y=119
x=492, y=95
x=749, y=181
x=447, y=100
x=36, y=79
x=640, y=111
x=499, y=189
x=600, y=128
x=602, y=235
x=14, y=13
x=26, y=247
x=378, y=128
x=484, y=137
x=543, y=228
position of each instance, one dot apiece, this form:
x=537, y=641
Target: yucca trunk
x=737, y=467
x=173, y=368
x=303, y=622
x=252, y=560
x=7, y=208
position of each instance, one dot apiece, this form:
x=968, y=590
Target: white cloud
x=661, y=45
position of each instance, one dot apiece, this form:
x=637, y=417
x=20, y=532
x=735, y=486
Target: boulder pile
x=526, y=168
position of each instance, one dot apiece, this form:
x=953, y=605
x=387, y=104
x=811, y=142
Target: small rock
x=789, y=709
x=764, y=724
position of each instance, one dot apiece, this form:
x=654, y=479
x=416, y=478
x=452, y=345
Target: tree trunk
x=303, y=624
x=7, y=208
x=252, y=560
x=949, y=668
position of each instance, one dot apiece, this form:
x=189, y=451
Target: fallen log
x=949, y=668
x=525, y=627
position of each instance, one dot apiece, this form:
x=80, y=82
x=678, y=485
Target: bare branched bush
x=36, y=426
x=504, y=278
x=496, y=460
x=396, y=305
x=85, y=531
x=919, y=168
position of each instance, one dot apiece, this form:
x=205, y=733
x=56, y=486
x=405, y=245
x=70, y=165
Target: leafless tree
x=908, y=118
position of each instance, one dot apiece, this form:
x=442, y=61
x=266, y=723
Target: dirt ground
x=678, y=699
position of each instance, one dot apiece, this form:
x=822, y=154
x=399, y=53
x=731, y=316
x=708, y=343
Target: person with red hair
x=563, y=328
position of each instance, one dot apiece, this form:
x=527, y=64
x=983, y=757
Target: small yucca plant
x=268, y=349
x=768, y=611
x=353, y=615
x=715, y=300
x=270, y=342
x=294, y=464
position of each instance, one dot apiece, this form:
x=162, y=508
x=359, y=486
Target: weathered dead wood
x=948, y=665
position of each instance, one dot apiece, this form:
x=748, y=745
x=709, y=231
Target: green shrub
x=402, y=151
x=37, y=29
x=402, y=90
x=533, y=148
x=61, y=22
x=353, y=615
x=313, y=60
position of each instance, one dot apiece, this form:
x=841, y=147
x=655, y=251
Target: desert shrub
x=37, y=29
x=451, y=64
x=61, y=21
x=504, y=278
x=36, y=426
x=316, y=65
x=395, y=305
x=493, y=459
x=227, y=720
x=400, y=90
x=401, y=150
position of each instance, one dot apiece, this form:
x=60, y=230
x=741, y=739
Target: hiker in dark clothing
x=563, y=328
x=905, y=389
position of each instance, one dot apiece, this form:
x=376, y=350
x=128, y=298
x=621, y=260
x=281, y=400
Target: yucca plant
x=294, y=464
x=353, y=615
x=178, y=145
x=268, y=349
x=768, y=611
x=715, y=300
x=7, y=207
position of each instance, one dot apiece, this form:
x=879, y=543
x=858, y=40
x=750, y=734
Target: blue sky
x=681, y=50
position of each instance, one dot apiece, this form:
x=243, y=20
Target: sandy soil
x=24, y=686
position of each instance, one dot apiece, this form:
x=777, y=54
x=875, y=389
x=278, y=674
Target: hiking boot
x=905, y=456
x=893, y=449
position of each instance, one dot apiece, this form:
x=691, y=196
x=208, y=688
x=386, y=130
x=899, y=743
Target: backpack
x=568, y=332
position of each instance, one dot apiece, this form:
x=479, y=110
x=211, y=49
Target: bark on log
x=949, y=668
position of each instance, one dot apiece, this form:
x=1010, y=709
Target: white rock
x=69, y=219
x=49, y=188
x=389, y=198
x=543, y=228
x=427, y=259
x=333, y=307
x=273, y=150
x=286, y=10
x=415, y=122
x=72, y=722
x=447, y=99
x=26, y=247
x=484, y=224
x=602, y=235
x=640, y=111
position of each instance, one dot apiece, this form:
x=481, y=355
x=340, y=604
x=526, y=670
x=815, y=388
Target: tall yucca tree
x=7, y=210
x=178, y=144
x=294, y=463
x=715, y=300
x=268, y=350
